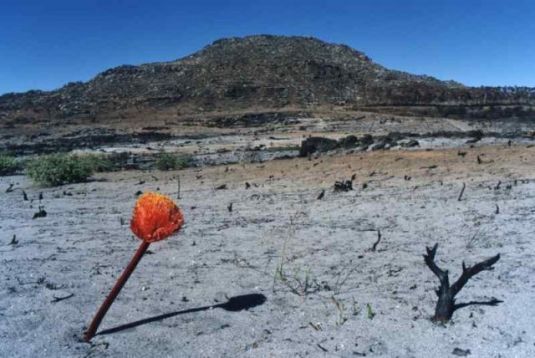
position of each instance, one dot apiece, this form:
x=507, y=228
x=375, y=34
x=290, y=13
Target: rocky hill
x=260, y=74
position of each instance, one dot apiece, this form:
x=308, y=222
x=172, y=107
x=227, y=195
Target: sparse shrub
x=8, y=164
x=98, y=162
x=168, y=161
x=58, y=169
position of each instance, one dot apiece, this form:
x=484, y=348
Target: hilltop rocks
x=261, y=74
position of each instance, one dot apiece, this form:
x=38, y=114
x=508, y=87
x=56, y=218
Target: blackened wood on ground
x=461, y=193
x=343, y=185
x=446, y=305
x=40, y=214
x=57, y=299
x=374, y=247
x=178, y=187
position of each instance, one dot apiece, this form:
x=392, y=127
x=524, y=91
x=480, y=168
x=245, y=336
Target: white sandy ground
x=81, y=247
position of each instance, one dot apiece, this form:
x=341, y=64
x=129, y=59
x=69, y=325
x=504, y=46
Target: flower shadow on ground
x=234, y=304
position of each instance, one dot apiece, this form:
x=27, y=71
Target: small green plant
x=356, y=308
x=299, y=281
x=371, y=314
x=8, y=164
x=168, y=161
x=58, y=169
x=340, y=307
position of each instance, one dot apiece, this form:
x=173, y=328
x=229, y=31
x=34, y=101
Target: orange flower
x=155, y=217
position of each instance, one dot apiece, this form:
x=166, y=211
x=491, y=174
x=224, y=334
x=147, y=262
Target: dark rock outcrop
x=317, y=144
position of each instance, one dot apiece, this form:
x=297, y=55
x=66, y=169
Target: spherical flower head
x=155, y=217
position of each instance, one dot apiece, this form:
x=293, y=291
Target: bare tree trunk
x=446, y=305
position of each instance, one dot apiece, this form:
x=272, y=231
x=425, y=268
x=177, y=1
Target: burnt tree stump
x=446, y=293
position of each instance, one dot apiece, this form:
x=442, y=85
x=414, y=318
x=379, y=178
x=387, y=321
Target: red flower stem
x=90, y=333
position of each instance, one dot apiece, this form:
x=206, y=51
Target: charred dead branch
x=10, y=189
x=461, y=193
x=461, y=352
x=58, y=299
x=322, y=194
x=374, y=247
x=446, y=293
x=178, y=187
x=343, y=185
x=434, y=166
x=40, y=214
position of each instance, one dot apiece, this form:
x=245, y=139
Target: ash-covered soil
x=327, y=293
